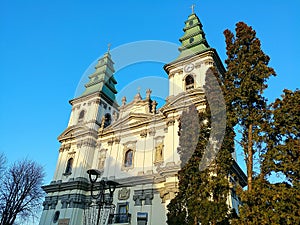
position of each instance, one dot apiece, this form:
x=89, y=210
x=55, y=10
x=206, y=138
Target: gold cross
x=193, y=7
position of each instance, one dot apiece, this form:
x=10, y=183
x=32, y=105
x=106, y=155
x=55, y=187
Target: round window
x=191, y=40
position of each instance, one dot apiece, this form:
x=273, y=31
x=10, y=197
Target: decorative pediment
x=131, y=119
x=76, y=131
x=183, y=100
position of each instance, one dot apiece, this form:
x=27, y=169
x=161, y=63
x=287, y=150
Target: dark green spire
x=102, y=80
x=193, y=41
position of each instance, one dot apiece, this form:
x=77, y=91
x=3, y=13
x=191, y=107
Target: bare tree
x=21, y=194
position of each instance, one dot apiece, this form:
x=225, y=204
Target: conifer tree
x=202, y=194
x=277, y=201
x=282, y=158
x=245, y=81
x=283, y=149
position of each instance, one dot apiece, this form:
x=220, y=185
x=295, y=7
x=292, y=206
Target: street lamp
x=103, y=185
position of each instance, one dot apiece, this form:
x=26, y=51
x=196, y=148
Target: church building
x=132, y=145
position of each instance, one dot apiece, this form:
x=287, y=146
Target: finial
x=124, y=101
x=193, y=7
x=148, y=93
x=138, y=96
x=108, y=47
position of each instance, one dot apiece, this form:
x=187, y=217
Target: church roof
x=102, y=80
x=193, y=40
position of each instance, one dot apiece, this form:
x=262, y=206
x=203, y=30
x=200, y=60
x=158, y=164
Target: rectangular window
x=122, y=215
x=142, y=218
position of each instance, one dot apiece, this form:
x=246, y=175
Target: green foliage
x=245, y=81
x=202, y=194
x=282, y=157
x=272, y=133
x=189, y=132
x=283, y=149
x=277, y=202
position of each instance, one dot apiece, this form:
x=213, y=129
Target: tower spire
x=102, y=80
x=193, y=41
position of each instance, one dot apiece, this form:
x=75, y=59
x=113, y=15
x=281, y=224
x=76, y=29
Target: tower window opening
x=81, y=115
x=107, y=121
x=69, y=166
x=189, y=82
x=128, y=158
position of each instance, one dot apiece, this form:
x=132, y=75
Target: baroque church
x=132, y=145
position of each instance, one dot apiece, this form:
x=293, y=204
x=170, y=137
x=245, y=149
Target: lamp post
x=103, y=185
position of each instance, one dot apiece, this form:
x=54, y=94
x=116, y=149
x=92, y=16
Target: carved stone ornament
x=124, y=193
x=143, y=134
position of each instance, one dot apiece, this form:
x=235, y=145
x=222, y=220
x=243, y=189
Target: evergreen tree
x=277, y=201
x=245, y=81
x=202, y=194
x=282, y=158
x=283, y=149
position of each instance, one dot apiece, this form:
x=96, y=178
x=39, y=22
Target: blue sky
x=46, y=46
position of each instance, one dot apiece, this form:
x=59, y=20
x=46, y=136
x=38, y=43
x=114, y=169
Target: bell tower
x=187, y=71
x=95, y=108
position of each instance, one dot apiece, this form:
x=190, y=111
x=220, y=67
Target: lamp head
x=93, y=175
x=112, y=186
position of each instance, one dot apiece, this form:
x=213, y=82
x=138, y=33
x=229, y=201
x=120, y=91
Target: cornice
x=79, y=183
x=189, y=59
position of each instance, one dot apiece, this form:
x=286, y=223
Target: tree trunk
x=250, y=158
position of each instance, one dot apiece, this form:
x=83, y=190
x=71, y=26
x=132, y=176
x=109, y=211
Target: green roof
x=193, y=41
x=102, y=80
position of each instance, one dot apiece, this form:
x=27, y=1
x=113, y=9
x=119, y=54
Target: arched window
x=189, y=82
x=81, y=115
x=107, y=121
x=69, y=166
x=128, y=158
x=56, y=216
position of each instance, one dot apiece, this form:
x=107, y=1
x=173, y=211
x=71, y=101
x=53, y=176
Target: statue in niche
x=159, y=152
x=101, y=160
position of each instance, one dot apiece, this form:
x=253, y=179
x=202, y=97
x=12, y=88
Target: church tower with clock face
x=196, y=57
x=134, y=145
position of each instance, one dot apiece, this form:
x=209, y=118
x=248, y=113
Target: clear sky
x=46, y=46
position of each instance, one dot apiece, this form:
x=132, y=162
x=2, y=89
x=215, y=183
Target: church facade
x=134, y=143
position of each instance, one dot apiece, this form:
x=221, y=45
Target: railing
x=189, y=87
x=119, y=218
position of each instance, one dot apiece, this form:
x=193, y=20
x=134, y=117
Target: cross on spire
x=108, y=47
x=193, y=7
